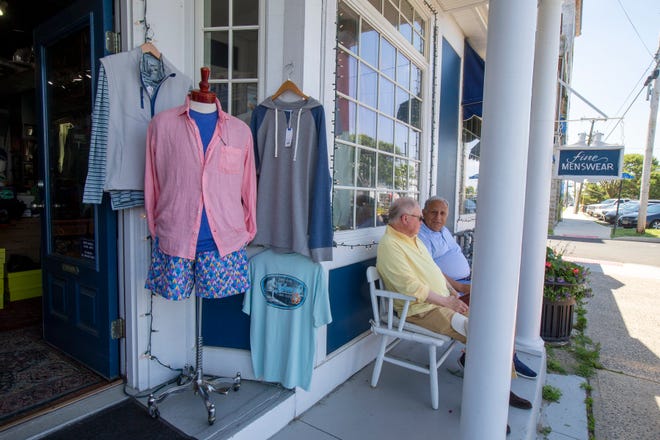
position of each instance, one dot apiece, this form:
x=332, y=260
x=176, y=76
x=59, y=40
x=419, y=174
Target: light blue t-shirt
x=287, y=302
x=445, y=251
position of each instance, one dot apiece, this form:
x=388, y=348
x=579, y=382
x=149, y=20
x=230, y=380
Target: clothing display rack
x=190, y=378
x=195, y=378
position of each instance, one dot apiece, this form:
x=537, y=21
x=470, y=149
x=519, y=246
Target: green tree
x=630, y=188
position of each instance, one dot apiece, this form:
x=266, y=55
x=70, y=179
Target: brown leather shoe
x=519, y=402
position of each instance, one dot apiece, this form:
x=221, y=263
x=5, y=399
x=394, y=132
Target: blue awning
x=473, y=83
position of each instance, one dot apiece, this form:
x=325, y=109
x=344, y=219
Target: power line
x=656, y=60
x=624, y=114
x=635, y=29
x=641, y=78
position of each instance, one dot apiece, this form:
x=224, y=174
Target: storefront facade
x=389, y=74
x=377, y=71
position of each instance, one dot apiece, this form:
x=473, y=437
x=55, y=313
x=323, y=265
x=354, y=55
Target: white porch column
x=505, y=140
x=539, y=170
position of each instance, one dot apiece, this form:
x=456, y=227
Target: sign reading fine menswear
x=600, y=161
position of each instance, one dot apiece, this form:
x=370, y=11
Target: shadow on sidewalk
x=622, y=315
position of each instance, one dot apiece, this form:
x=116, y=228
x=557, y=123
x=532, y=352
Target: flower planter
x=557, y=320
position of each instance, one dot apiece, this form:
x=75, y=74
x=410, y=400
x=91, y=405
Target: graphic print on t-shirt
x=283, y=291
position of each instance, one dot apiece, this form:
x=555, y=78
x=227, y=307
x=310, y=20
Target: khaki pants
x=437, y=320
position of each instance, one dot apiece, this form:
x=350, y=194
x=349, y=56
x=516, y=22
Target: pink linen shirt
x=180, y=180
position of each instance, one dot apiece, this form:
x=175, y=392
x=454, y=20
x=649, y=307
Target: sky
x=610, y=64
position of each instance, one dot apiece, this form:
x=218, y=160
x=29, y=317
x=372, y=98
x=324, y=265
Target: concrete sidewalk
x=622, y=317
x=580, y=225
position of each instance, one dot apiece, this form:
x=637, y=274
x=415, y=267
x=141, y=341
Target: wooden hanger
x=149, y=48
x=288, y=86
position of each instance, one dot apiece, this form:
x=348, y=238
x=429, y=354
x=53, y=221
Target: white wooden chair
x=392, y=329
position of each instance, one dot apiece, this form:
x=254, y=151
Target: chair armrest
x=388, y=296
x=394, y=295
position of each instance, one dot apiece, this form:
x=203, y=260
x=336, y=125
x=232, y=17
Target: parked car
x=610, y=214
x=652, y=218
x=589, y=209
x=598, y=211
x=469, y=206
x=625, y=208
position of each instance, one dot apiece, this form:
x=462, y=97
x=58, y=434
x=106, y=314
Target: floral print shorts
x=212, y=275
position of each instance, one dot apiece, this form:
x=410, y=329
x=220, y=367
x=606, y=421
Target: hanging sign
x=587, y=162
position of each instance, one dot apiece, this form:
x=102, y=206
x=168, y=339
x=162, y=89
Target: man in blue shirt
x=442, y=245
x=448, y=256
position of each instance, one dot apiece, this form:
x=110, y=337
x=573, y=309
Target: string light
x=354, y=245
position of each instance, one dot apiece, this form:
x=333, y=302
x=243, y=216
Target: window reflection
x=416, y=76
x=368, y=85
x=387, y=58
x=347, y=28
x=244, y=101
x=400, y=139
x=216, y=13
x=414, y=144
x=391, y=14
x=383, y=207
x=246, y=12
x=366, y=215
x=216, y=54
x=367, y=168
x=401, y=174
x=346, y=74
x=416, y=112
x=401, y=103
x=377, y=117
x=413, y=181
x=385, y=171
x=403, y=71
x=221, y=91
x=345, y=119
x=386, y=97
x=344, y=165
x=407, y=10
x=406, y=30
x=385, y=134
x=342, y=209
x=403, y=17
x=244, y=61
x=369, y=44
x=367, y=127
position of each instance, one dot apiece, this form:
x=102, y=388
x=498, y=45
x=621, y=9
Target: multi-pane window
x=231, y=50
x=403, y=16
x=377, y=123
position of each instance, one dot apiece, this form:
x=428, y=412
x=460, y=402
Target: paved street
x=624, y=317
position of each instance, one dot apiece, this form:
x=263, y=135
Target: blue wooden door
x=79, y=259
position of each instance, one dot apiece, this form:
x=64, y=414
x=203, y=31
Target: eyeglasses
x=418, y=217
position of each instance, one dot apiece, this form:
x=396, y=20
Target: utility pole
x=648, y=155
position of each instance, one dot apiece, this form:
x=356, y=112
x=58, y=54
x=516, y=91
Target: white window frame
x=200, y=29
x=363, y=237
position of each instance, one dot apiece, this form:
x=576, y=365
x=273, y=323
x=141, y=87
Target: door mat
x=35, y=376
x=125, y=420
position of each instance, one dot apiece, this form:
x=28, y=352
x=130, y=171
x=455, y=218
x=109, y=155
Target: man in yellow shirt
x=406, y=266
